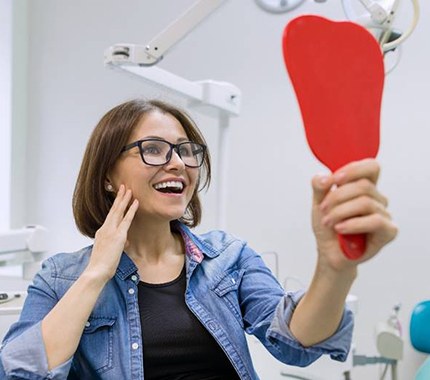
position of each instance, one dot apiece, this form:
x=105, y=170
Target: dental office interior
x=56, y=81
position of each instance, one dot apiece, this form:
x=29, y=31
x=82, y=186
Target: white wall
x=5, y=110
x=268, y=200
x=20, y=96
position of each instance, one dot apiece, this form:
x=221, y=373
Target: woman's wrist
x=95, y=277
x=325, y=269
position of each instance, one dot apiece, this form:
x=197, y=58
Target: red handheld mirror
x=337, y=71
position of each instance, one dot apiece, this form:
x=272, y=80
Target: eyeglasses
x=157, y=152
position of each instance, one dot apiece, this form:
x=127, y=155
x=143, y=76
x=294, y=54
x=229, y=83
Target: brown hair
x=91, y=202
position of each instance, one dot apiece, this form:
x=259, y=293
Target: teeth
x=163, y=185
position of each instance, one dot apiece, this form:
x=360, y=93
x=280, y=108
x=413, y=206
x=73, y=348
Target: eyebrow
x=180, y=139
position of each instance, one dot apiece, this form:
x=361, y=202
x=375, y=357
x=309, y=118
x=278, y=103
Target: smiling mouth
x=170, y=187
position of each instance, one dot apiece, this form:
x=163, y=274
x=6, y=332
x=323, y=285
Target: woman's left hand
x=348, y=202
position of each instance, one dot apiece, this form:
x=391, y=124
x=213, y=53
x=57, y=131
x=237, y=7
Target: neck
x=152, y=242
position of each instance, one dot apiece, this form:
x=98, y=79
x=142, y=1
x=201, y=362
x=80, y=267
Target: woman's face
x=152, y=185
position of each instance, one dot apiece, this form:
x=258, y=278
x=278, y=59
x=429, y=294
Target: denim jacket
x=229, y=289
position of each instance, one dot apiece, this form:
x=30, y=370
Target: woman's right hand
x=111, y=237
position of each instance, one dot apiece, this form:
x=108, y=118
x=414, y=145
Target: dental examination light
x=278, y=6
x=15, y=244
x=381, y=15
x=219, y=99
x=378, y=18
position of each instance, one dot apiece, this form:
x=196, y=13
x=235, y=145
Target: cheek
x=128, y=181
x=118, y=175
x=132, y=176
x=194, y=178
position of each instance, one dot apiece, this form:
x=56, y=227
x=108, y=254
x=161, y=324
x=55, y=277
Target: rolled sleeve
x=267, y=312
x=24, y=357
x=22, y=354
x=279, y=334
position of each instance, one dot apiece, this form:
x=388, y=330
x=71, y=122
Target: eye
x=185, y=150
x=151, y=148
x=197, y=150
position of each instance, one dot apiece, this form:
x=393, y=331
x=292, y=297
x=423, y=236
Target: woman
x=152, y=300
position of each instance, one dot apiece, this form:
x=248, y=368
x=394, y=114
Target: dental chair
x=420, y=336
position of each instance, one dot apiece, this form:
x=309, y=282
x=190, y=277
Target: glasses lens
x=192, y=154
x=155, y=152
x=158, y=152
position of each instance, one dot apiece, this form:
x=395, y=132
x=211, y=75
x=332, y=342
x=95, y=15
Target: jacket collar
x=126, y=267
x=195, y=249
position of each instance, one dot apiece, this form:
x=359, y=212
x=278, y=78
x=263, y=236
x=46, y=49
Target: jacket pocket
x=227, y=288
x=96, y=343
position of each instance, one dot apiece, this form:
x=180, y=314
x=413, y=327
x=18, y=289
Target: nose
x=175, y=162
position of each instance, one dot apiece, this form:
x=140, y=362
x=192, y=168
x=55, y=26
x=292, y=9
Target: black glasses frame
x=175, y=147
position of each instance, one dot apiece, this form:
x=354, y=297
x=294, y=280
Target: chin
x=174, y=216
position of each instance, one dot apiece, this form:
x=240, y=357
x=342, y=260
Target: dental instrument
x=12, y=306
x=8, y=296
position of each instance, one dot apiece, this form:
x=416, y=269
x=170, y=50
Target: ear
x=108, y=186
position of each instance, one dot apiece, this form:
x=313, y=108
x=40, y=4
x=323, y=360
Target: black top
x=176, y=346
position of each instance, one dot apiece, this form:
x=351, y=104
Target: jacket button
x=88, y=324
x=135, y=346
x=131, y=291
x=134, y=278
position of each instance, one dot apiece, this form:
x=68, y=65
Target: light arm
x=208, y=94
x=154, y=51
x=377, y=12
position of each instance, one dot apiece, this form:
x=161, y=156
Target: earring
x=109, y=187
